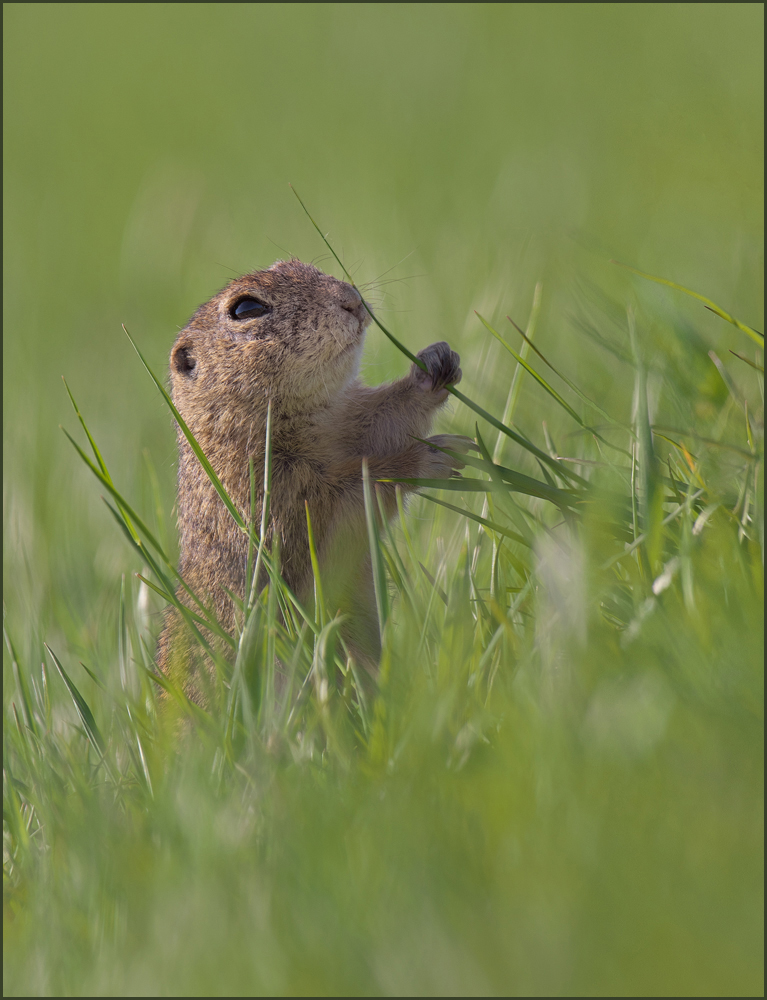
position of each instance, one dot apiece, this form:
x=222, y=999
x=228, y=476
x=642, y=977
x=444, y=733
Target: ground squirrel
x=293, y=336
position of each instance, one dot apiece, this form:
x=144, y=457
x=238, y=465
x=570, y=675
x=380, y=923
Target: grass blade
x=526, y=485
x=122, y=503
x=154, y=483
x=492, y=525
x=93, y=676
x=641, y=539
x=379, y=573
x=124, y=521
x=581, y=395
x=201, y=458
x=21, y=684
x=504, y=479
x=650, y=497
x=265, y=505
x=516, y=381
x=167, y=591
x=81, y=706
x=319, y=597
x=96, y=452
x=549, y=388
x=202, y=622
x=759, y=368
x=434, y=585
x=757, y=337
x=529, y=368
x=726, y=378
x=527, y=445
x=193, y=710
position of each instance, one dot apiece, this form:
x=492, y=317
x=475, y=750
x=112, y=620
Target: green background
x=148, y=151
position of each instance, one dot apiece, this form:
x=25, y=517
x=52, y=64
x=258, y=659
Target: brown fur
x=303, y=356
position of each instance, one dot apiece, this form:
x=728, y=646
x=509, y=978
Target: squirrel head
x=289, y=334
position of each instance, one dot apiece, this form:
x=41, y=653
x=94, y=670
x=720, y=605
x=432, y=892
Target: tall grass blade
x=513, y=510
x=141, y=754
x=93, y=676
x=122, y=637
x=201, y=458
x=159, y=508
x=319, y=597
x=650, y=496
x=81, y=706
x=726, y=378
x=12, y=813
x=190, y=615
x=267, y=705
x=530, y=487
x=549, y=388
x=265, y=505
x=529, y=368
x=568, y=382
x=121, y=502
x=249, y=583
x=700, y=437
x=516, y=381
x=403, y=525
x=99, y=458
x=435, y=586
x=194, y=711
x=374, y=539
x=96, y=452
x=641, y=539
x=757, y=337
x=46, y=696
x=167, y=590
x=520, y=440
x=502, y=479
x=21, y=684
x=247, y=646
x=759, y=368
x=492, y=525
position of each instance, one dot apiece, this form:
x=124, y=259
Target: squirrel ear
x=183, y=360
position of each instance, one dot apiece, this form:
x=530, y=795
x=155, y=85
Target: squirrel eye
x=249, y=309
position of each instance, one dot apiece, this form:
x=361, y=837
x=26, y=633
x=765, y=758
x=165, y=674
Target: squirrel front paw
x=443, y=369
x=435, y=464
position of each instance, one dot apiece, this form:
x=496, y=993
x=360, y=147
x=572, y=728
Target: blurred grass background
x=468, y=151
x=148, y=153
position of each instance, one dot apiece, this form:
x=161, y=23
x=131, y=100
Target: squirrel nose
x=350, y=298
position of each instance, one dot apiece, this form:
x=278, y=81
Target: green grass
x=564, y=739
x=556, y=787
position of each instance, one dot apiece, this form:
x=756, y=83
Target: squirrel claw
x=439, y=464
x=454, y=442
x=442, y=368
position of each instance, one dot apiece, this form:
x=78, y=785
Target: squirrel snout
x=349, y=298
